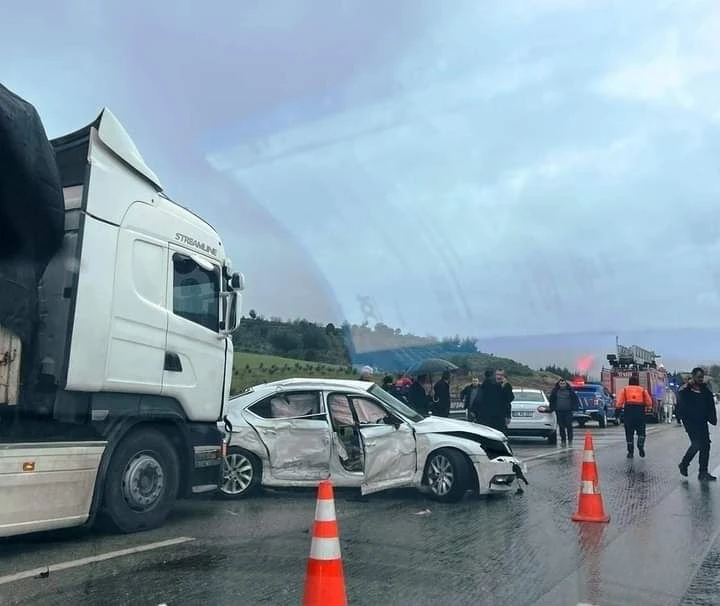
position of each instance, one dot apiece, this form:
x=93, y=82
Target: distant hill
x=252, y=369
x=271, y=349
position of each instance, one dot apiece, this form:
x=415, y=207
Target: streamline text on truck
x=116, y=308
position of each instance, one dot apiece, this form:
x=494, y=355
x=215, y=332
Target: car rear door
x=296, y=434
x=390, y=453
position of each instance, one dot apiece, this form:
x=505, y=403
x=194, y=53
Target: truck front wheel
x=142, y=481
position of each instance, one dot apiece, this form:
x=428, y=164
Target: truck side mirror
x=237, y=281
x=232, y=303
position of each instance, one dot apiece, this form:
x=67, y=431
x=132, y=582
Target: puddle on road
x=194, y=562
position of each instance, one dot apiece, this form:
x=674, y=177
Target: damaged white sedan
x=297, y=432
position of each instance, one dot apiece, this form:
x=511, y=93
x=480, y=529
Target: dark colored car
x=596, y=404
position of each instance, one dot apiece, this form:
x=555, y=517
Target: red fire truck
x=636, y=361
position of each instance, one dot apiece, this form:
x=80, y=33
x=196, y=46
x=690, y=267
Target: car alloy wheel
x=240, y=474
x=448, y=475
x=441, y=475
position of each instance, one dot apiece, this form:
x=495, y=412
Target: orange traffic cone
x=590, y=504
x=325, y=580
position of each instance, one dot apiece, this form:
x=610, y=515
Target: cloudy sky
x=508, y=170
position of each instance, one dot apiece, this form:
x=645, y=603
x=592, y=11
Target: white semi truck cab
x=116, y=401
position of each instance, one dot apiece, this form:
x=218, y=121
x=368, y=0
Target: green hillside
x=251, y=369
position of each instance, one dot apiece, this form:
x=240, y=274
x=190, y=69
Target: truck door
x=138, y=332
x=194, y=360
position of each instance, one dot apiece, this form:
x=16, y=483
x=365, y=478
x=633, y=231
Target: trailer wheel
x=142, y=481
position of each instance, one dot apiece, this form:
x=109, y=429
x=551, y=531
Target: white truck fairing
x=134, y=353
x=29, y=473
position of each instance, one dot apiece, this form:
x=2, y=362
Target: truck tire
x=142, y=480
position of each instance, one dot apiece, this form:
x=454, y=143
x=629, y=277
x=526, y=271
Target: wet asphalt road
x=662, y=545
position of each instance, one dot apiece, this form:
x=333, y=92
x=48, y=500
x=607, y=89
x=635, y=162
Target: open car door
x=390, y=453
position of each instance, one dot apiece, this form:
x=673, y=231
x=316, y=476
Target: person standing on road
x=417, y=395
x=696, y=408
x=468, y=396
x=441, y=399
x=563, y=402
x=634, y=399
x=388, y=385
x=507, y=395
x=668, y=405
x=491, y=407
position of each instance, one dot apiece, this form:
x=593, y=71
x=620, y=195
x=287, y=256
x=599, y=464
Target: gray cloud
x=500, y=170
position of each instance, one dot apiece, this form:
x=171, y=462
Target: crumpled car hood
x=443, y=424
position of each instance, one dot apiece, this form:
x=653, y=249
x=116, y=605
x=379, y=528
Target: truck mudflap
x=207, y=458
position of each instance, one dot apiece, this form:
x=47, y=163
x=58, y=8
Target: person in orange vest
x=634, y=399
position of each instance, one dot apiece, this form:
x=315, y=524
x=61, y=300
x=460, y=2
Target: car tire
x=447, y=474
x=242, y=472
x=552, y=438
x=129, y=506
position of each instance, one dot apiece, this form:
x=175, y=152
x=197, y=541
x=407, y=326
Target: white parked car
x=531, y=415
x=297, y=432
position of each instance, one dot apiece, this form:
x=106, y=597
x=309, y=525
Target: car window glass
x=340, y=412
x=288, y=406
x=528, y=396
x=368, y=411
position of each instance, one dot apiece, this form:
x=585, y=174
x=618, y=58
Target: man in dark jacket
x=388, y=385
x=506, y=392
x=563, y=402
x=441, y=391
x=417, y=395
x=468, y=395
x=492, y=406
x=696, y=408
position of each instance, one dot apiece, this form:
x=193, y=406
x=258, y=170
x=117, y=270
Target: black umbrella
x=430, y=366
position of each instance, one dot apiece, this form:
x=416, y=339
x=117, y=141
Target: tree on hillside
x=380, y=346
x=563, y=372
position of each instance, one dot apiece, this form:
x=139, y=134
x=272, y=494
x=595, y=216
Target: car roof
x=528, y=389
x=264, y=389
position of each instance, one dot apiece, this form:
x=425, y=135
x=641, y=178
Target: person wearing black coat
x=468, y=395
x=441, y=400
x=696, y=408
x=417, y=395
x=563, y=402
x=492, y=407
